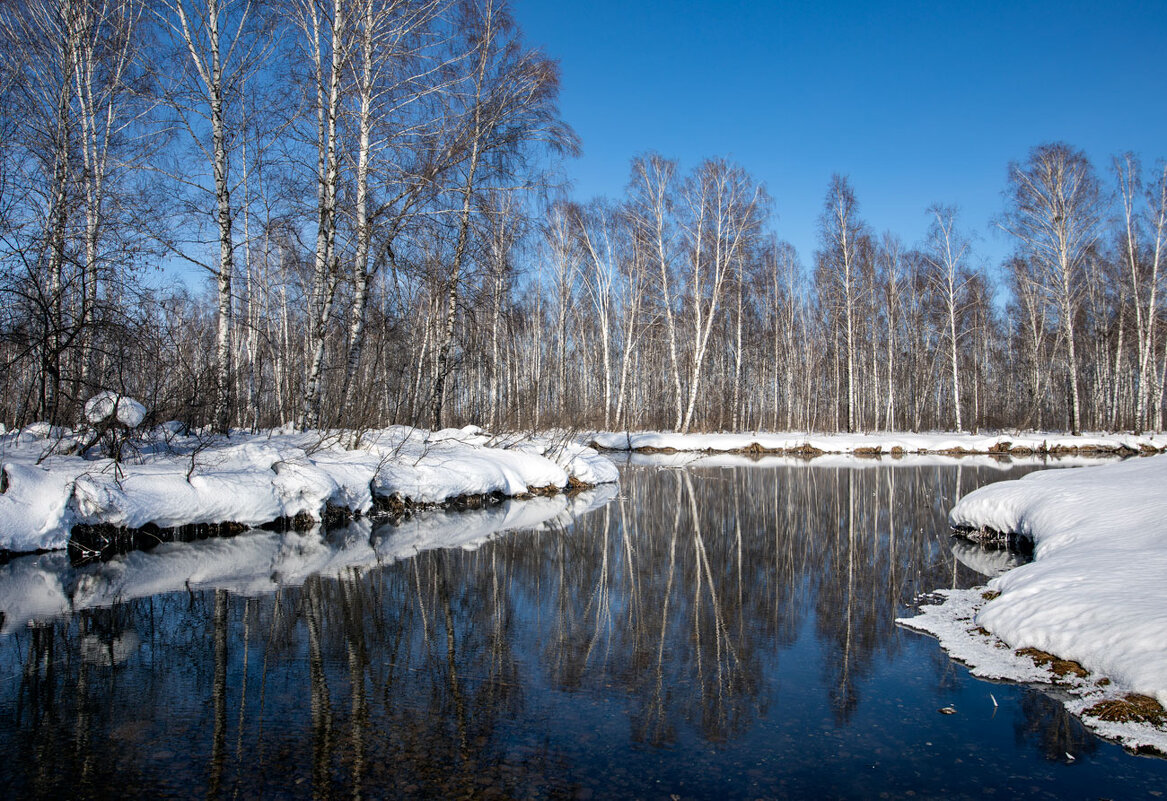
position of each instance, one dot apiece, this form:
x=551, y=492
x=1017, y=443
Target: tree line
x=371, y=190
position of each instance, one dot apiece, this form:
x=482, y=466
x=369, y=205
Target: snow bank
x=852, y=461
x=36, y=512
x=252, y=479
x=1096, y=592
x=879, y=443
x=259, y=562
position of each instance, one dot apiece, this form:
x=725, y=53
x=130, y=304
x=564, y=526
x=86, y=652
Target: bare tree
x=725, y=207
x=1143, y=265
x=652, y=187
x=892, y=268
x=597, y=232
x=946, y=253
x=216, y=46
x=325, y=28
x=840, y=230
x=1055, y=211
x=508, y=100
x=394, y=75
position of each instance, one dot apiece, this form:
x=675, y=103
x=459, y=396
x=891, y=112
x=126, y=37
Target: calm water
x=710, y=633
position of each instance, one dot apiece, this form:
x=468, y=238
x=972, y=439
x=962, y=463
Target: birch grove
x=364, y=201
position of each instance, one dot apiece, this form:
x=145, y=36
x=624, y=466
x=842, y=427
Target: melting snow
x=1096, y=592
x=256, y=478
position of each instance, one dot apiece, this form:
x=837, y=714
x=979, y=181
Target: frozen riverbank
x=1095, y=593
x=168, y=479
x=889, y=443
x=39, y=587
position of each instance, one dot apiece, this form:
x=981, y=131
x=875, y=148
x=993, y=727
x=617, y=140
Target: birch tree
x=561, y=252
x=107, y=63
x=1144, y=214
x=635, y=282
x=892, y=268
x=395, y=75
x=596, y=227
x=839, y=231
x=216, y=47
x=1055, y=208
x=324, y=25
x=946, y=254
x=507, y=100
x=724, y=211
x=651, y=188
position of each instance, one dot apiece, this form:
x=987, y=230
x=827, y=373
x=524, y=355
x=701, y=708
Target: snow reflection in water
x=712, y=632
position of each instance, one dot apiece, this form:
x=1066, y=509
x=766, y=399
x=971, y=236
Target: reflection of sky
x=780, y=670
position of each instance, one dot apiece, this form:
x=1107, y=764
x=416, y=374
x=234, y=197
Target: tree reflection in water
x=659, y=624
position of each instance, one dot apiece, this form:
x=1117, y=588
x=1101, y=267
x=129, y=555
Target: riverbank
x=259, y=562
x=1090, y=612
x=880, y=443
x=168, y=478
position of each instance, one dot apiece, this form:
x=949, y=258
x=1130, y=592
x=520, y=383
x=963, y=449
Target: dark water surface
x=713, y=632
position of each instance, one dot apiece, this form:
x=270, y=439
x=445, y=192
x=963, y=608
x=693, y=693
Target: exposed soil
x=1002, y=450
x=1131, y=708
x=1060, y=667
x=989, y=538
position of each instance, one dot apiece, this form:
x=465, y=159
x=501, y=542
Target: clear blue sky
x=918, y=102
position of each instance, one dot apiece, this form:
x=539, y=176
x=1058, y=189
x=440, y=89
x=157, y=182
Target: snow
x=103, y=405
x=259, y=562
x=35, y=510
x=1095, y=591
x=879, y=443
x=253, y=479
x=852, y=461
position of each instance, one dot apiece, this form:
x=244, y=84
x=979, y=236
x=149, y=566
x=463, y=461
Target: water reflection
x=704, y=633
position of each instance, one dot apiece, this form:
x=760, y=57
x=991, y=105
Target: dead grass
x=544, y=492
x=1131, y=708
x=1060, y=667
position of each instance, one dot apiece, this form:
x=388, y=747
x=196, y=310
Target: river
x=709, y=632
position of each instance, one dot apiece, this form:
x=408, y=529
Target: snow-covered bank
x=853, y=461
x=253, y=479
x=891, y=443
x=43, y=586
x=1096, y=592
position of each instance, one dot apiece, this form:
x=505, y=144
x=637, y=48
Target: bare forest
x=365, y=197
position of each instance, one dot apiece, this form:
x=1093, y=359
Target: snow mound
x=253, y=479
x=107, y=404
x=1095, y=591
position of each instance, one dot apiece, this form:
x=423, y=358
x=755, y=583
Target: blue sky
x=918, y=102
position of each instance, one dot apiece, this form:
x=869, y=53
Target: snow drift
x=252, y=479
x=1095, y=592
